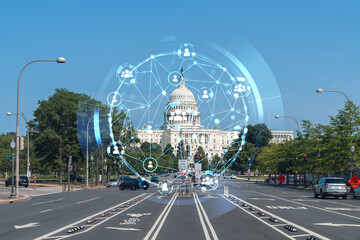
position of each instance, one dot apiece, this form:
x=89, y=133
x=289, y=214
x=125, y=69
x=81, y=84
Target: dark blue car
x=142, y=183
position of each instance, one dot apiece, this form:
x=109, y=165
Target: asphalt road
x=149, y=215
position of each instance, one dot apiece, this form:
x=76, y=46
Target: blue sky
x=307, y=45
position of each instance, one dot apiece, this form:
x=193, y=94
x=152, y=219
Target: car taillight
x=345, y=186
x=326, y=185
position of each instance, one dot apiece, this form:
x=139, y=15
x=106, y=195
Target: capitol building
x=182, y=123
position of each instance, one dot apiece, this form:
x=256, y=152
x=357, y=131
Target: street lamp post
x=12, y=145
x=28, y=141
x=87, y=148
x=59, y=60
x=92, y=170
x=352, y=149
x=297, y=124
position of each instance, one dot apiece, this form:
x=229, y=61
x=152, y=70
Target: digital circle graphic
x=179, y=105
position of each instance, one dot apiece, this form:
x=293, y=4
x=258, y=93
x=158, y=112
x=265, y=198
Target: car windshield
x=335, y=181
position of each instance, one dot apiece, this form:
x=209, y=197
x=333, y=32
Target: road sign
x=354, y=181
x=8, y=156
x=281, y=178
x=183, y=164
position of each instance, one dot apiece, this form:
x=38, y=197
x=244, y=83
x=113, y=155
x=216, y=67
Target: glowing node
x=186, y=51
x=152, y=56
x=126, y=73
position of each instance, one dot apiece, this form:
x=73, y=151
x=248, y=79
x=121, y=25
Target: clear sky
x=307, y=44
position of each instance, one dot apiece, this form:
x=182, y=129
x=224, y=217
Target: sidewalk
x=4, y=198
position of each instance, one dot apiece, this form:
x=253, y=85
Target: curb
x=23, y=199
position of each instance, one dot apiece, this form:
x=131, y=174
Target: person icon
x=116, y=150
x=150, y=165
x=114, y=99
x=175, y=78
x=164, y=187
x=186, y=53
x=205, y=94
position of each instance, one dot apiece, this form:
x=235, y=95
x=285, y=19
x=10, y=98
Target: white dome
x=182, y=93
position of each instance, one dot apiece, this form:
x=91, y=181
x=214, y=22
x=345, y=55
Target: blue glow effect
x=97, y=127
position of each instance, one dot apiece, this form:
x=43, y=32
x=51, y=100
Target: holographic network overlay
x=222, y=92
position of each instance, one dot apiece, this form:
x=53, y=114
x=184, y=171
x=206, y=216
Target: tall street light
x=28, y=141
x=87, y=148
x=277, y=116
x=59, y=60
x=352, y=149
x=12, y=145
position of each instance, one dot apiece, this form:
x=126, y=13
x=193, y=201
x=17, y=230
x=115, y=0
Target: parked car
x=356, y=192
x=79, y=178
x=129, y=183
x=114, y=182
x=142, y=183
x=23, y=181
x=154, y=179
x=231, y=176
x=330, y=186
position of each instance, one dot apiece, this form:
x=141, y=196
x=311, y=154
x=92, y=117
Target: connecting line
x=162, y=65
x=158, y=75
x=158, y=107
x=206, y=72
x=207, y=60
x=140, y=93
x=214, y=101
x=226, y=97
x=150, y=83
x=142, y=118
x=188, y=67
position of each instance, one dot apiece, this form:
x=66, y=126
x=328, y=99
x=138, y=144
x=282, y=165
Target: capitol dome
x=182, y=93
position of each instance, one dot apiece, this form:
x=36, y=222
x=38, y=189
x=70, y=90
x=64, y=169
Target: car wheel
x=133, y=187
x=354, y=196
x=6, y=185
x=336, y=197
x=344, y=197
x=322, y=194
x=26, y=185
x=315, y=195
x=145, y=188
x=121, y=187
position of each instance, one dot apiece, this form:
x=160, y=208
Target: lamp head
x=8, y=113
x=61, y=60
x=319, y=90
x=277, y=116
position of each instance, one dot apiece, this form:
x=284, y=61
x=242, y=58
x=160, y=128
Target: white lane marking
x=92, y=216
x=284, y=220
x=301, y=235
x=342, y=209
x=164, y=218
x=306, y=200
x=56, y=200
x=48, y=210
x=311, y=206
x=207, y=236
x=261, y=220
x=337, y=224
x=287, y=207
x=207, y=219
x=158, y=219
x=29, y=225
x=266, y=199
x=87, y=200
x=126, y=229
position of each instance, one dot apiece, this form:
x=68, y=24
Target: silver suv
x=330, y=186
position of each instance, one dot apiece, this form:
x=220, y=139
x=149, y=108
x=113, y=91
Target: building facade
x=281, y=136
x=182, y=123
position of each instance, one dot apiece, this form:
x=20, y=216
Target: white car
x=232, y=176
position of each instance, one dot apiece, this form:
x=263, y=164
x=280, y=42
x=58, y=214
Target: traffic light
x=195, y=158
x=201, y=156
